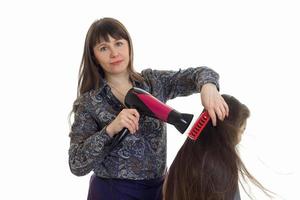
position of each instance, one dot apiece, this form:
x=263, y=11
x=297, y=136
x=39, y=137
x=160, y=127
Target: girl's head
x=208, y=167
x=232, y=128
x=107, y=47
x=227, y=134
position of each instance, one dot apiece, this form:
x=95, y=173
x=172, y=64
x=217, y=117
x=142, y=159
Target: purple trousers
x=123, y=189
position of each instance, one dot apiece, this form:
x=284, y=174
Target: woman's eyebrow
x=101, y=44
x=104, y=42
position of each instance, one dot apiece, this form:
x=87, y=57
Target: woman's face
x=113, y=55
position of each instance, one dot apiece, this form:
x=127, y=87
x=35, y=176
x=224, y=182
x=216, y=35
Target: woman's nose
x=114, y=52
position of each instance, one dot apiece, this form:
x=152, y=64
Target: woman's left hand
x=213, y=102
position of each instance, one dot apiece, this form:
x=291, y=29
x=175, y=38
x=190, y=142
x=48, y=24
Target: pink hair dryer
x=148, y=105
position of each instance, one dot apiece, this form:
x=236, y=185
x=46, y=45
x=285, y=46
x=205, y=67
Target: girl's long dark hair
x=209, y=168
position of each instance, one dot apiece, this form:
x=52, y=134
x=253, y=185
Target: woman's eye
x=119, y=43
x=102, y=48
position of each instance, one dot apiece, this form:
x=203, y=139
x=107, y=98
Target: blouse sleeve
x=171, y=84
x=89, y=142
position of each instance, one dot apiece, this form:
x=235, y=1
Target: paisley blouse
x=139, y=156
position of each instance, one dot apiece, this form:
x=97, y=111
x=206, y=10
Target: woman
x=135, y=168
x=209, y=167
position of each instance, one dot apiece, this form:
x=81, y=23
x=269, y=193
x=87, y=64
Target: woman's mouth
x=116, y=62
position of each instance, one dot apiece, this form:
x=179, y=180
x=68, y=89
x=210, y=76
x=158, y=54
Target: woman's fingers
x=220, y=111
x=214, y=103
x=129, y=124
x=127, y=118
x=225, y=107
x=134, y=121
x=221, y=108
x=135, y=117
x=130, y=119
x=212, y=115
x=134, y=112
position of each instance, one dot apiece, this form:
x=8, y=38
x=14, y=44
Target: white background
x=253, y=45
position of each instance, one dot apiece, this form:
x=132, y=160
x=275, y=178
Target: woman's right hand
x=127, y=118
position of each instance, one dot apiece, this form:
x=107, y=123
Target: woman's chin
x=119, y=69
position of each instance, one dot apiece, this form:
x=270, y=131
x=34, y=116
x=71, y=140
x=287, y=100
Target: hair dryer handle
x=119, y=137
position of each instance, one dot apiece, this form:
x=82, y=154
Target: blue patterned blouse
x=142, y=155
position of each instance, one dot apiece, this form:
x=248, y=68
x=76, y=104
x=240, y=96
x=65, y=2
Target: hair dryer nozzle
x=180, y=120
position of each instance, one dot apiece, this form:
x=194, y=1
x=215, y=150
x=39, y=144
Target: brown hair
x=90, y=71
x=208, y=168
